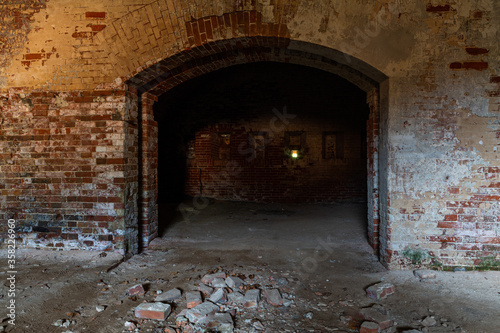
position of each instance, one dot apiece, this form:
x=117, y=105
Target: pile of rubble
x=231, y=303
x=212, y=307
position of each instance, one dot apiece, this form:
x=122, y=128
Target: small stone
x=219, y=296
x=309, y=315
x=193, y=298
x=424, y=274
x=168, y=296
x=381, y=319
x=282, y=281
x=137, y=290
x=258, y=325
x=236, y=298
x=222, y=322
x=273, y=297
x=169, y=330
x=208, y=278
x=100, y=308
x=57, y=323
x=158, y=311
x=181, y=321
x=218, y=283
x=201, y=311
x=234, y=282
x=158, y=292
x=130, y=325
x=205, y=290
x=380, y=290
x=252, y=298
x=369, y=327
x=429, y=321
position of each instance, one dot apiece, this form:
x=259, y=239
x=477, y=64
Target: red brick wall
x=64, y=168
x=277, y=177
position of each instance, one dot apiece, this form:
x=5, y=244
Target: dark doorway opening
x=261, y=132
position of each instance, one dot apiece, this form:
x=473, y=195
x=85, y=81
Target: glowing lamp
x=295, y=153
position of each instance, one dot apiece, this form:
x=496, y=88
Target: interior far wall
x=240, y=146
x=259, y=166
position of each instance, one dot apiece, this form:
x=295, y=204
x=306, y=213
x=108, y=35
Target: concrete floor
x=239, y=225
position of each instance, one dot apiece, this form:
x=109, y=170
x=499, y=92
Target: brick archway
x=157, y=79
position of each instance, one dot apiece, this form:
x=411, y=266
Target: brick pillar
x=372, y=135
x=149, y=160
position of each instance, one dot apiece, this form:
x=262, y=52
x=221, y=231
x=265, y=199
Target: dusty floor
x=317, y=255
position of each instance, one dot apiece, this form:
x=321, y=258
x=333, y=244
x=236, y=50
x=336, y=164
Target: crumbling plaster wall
x=439, y=164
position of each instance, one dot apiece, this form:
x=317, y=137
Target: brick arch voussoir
x=169, y=72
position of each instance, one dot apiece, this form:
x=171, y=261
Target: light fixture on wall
x=295, y=143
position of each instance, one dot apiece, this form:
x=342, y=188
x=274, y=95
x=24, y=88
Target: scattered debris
x=369, y=327
x=130, y=325
x=158, y=311
x=193, y=299
x=137, y=290
x=376, y=316
x=61, y=323
x=380, y=291
x=169, y=296
x=273, y=297
x=429, y=321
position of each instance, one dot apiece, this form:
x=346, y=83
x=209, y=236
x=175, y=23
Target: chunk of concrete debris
x=137, y=290
x=309, y=315
x=369, y=327
x=100, y=308
x=257, y=324
x=424, y=274
x=201, y=311
x=130, y=325
x=208, y=278
x=205, y=290
x=158, y=311
x=429, y=321
x=169, y=296
x=234, y=282
x=193, y=298
x=236, y=298
x=61, y=323
x=219, y=296
x=252, y=298
x=218, y=283
x=373, y=315
x=181, y=321
x=380, y=290
x=221, y=322
x=273, y=297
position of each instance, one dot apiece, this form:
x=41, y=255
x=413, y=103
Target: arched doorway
x=153, y=81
